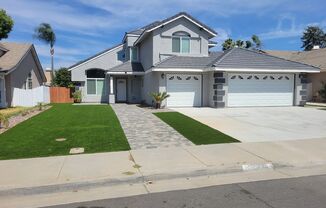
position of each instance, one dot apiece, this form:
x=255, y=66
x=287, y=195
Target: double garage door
x=244, y=89
x=260, y=90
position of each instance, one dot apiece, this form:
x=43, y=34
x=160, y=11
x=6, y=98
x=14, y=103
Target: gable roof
x=128, y=67
x=158, y=24
x=316, y=58
x=14, y=55
x=94, y=56
x=239, y=58
x=189, y=61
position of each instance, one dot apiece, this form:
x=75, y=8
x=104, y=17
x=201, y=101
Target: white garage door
x=260, y=90
x=184, y=90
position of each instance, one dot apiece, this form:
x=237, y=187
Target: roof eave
x=266, y=70
x=213, y=33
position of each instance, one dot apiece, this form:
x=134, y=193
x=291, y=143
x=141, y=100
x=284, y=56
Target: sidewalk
x=152, y=170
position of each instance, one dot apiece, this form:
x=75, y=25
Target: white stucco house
x=173, y=55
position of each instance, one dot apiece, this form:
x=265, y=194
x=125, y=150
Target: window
x=95, y=82
x=134, y=54
x=28, y=84
x=181, y=42
x=29, y=81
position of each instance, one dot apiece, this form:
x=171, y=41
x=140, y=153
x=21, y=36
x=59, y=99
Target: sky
x=86, y=27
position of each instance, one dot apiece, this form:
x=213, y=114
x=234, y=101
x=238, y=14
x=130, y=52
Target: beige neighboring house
x=48, y=75
x=19, y=68
x=315, y=57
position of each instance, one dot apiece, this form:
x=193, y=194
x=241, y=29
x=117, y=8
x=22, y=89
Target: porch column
x=111, y=85
x=111, y=95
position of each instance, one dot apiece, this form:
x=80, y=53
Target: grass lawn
x=193, y=130
x=94, y=127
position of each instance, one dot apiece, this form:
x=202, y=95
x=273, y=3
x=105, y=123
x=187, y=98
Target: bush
x=40, y=106
x=4, y=121
x=77, y=96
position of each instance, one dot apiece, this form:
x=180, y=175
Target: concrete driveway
x=263, y=124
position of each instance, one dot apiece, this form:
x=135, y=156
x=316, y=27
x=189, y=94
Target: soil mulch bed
x=14, y=120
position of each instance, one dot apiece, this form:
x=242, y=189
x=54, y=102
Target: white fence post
x=29, y=98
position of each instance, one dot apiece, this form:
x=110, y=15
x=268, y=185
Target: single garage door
x=260, y=90
x=184, y=90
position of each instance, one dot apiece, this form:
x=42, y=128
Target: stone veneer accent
x=303, y=91
x=219, y=92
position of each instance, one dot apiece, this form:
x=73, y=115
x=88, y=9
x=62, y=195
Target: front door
x=121, y=90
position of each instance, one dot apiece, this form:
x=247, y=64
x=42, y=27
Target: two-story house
x=173, y=56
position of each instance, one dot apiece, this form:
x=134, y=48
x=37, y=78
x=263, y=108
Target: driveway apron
x=145, y=131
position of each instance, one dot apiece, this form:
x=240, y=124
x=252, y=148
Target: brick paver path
x=145, y=131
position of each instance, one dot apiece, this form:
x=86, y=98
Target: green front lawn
x=94, y=127
x=193, y=130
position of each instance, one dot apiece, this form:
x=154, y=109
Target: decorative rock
x=77, y=150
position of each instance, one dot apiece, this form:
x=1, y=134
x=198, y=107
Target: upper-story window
x=180, y=42
x=134, y=54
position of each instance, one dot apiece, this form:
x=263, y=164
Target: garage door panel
x=260, y=90
x=184, y=90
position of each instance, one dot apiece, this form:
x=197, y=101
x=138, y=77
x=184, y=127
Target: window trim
x=104, y=90
x=180, y=41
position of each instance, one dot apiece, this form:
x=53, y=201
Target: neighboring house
x=19, y=68
x=315, y=57
x=173, y=55
x=48, y=75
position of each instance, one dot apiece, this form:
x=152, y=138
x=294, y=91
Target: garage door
x=260, y=90
x=184, y=90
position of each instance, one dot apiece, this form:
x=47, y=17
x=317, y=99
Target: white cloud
x=222, y=35
x=286, y=28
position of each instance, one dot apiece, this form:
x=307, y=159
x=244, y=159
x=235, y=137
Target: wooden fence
x=60, y=95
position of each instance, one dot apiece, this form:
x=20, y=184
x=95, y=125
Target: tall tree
x=62, y=78
x=254, y=43
x=240, y=43
x=6, y=24
x=313, y=36
x=228, y=44
x=45, y=33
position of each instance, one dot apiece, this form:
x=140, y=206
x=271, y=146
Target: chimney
x=316, y=47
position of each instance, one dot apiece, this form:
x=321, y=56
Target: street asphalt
x=301, y=192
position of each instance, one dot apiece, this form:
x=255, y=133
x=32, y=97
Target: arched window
x=95, y=82
x=181, y=42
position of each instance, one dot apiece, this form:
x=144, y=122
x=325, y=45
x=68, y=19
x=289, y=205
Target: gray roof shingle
x=189, y=61
x=244, y=58
x=128, y=67
x=14, y=52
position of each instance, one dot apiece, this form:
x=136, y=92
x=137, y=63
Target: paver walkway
x=145, y=131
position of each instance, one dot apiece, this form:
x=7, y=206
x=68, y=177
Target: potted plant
x=77, y=96
x=158, y=98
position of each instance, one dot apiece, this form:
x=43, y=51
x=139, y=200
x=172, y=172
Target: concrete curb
x=75, y=186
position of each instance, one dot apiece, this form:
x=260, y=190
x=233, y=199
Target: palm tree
x=256, y=41
x=313, y=36
x=228, y=44
x=158, y=97
x=240, y=44
x=45, y=33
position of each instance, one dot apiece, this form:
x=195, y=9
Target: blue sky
x=85, y=27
